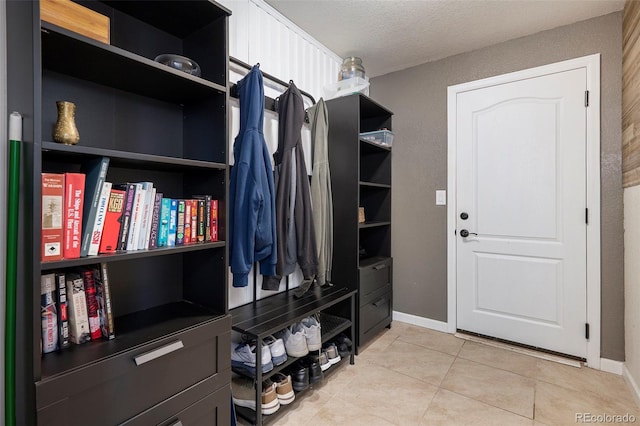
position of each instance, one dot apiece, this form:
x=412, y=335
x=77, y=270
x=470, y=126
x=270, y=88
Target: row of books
x=75, y=307
x=84, y=215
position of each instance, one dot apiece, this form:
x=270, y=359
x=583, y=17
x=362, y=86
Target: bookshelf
x=361, y=177
x=155, y=124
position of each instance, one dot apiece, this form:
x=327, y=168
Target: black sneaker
x=315, y=370
x=299, y=376
x=344, y=345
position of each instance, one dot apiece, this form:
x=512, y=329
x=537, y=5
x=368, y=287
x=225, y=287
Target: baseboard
x=420, y=321
x=635, y=389
x=611, y=366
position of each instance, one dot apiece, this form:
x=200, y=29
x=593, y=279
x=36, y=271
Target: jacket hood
x=291, y=118
x=251, y=94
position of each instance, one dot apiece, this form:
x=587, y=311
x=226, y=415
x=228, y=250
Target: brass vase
x=65, y=130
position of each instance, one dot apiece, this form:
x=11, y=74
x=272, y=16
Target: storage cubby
x=155, y=124
x=376, y=201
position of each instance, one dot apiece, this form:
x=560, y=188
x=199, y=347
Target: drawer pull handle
x=379, y=267
x=176, y=423
x=157, y=353
x=379, y=302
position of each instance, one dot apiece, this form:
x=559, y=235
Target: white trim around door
x=592, y=65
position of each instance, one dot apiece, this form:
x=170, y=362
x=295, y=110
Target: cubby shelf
x=120, y=69
x=127, y=159
x=129, y=255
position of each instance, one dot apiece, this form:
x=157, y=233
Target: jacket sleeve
x=267, y=252
x=246, y=204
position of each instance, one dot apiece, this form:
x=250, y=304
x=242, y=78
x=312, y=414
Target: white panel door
x=521, y=184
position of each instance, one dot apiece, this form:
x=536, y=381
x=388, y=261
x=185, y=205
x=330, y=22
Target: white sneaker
x=277, y=349
x=295, y=341
x=243, y=357
x=312, y=333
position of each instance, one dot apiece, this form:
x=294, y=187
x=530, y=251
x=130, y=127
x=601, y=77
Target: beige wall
x=418, y=97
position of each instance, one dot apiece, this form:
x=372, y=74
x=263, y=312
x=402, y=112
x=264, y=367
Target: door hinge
x=586, y=216
x=586, y=331
x=586, y=98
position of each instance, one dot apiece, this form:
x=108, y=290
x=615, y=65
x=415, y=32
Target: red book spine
x=214, y=220
x=92, y=304
x=194, y=220
x=73, y=204
x=52, y=216
x=112, y=222
x=187, y=222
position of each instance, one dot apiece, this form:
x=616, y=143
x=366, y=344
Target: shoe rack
x=255, y=321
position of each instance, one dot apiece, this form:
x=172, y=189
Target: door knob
x=464, y=215
x=464, y=233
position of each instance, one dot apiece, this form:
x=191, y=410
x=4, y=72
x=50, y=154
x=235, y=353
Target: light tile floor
x=414, y=376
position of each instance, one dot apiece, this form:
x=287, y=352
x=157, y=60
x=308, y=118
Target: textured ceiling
x=390, y=35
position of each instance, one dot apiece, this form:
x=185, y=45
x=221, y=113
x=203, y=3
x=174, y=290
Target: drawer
x=375, y=316
x=374, y=274
x=116, y=389
x=210, y=410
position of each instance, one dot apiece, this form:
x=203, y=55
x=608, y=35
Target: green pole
x=15, y=137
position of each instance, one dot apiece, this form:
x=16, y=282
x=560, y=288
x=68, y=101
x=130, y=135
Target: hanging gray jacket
x=321, y=196
x=296, y=241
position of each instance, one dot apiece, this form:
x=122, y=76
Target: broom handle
x=15, y=138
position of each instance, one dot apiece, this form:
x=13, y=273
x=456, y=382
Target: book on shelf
x=101, y=213
x=95, y=174
x=180, y=224
x=52, y=216
x=112, y=221
x=63, y=314
x=214, y=220
x=147, y=206
x=103, y=296
x=89, y=277
x=125, y=225
x=165, y=218
x=73, y=207
x=173, y=223
x=136, y=213
x=48, y=313
x=194, y=221
x=147, y=234
x=201, y=217
x=187, y=222
x=155, y=221
x=207, y=215
x=77, y=302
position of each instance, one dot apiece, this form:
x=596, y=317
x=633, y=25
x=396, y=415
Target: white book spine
x=134, y=226
x=78, y=316
x=96, y=234
x=144, y=227
x=147, y=234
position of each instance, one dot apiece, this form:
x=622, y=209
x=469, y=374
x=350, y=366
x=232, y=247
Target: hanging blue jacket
x=252, y=230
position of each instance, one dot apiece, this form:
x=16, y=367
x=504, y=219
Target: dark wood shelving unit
x=169, y=360
x=363, y=247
